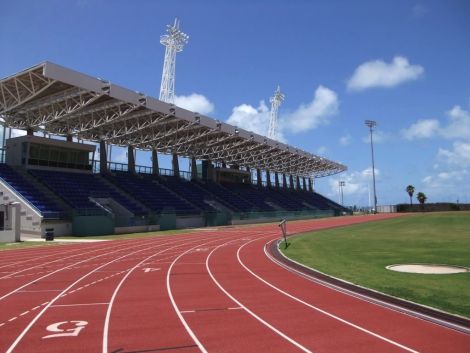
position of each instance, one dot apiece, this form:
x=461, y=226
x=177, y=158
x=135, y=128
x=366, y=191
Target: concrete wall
x=12, y=223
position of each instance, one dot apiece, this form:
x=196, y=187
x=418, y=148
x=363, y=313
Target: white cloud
x=357, y=186
x=459, y=155
x=195, y=102
x=345, y=140
x=317, y=112
x=419, y=10
x=252, y=119
x=322, y=150
x=306, y=117
x=457, y=128
x=421, y=129
x=378, y=73
x=378, y=137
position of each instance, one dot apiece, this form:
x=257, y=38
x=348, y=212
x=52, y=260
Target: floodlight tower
x=174, y=42
x=371, y=124
x=276, y=101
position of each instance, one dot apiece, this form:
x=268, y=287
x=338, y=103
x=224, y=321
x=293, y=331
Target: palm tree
x=410, y=189
x=421, y=198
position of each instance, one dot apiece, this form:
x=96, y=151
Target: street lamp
x=341, y=184
x=371, y=124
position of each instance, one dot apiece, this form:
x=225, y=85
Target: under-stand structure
x=276, y=101
x=174, y=42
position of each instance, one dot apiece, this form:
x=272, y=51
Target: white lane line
x=13, y=318
x=84, y=304
x=66, y=267
x=172, y=299
x=280, y=333
x=317, y=308
x=187, y=311
x=118, y=287
x=235, y=308
x=32, y=322
x=40, y=290
x=24, y=313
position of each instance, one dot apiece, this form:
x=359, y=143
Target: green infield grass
x=360, y=253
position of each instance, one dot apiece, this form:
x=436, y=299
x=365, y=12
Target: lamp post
x=371, y=124
x=341, y=184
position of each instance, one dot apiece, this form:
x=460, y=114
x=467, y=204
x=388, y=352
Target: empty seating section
x=150, y=193
x=252, y=194
x=186, y=189
x=157, y=193
x=47, y=207
x=228, y=198
x=77, y=188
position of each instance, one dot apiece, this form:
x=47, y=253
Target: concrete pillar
x=155, y=167
x=103, y=157
x=284, y=181
x=193, y=169
x=224, y=165
x=310, y=184
x=29, y=131
x=276, y=180
x=297, y=179
x=258, y=177
x=305, y=183
x=291, y=182
x=176, y=166
x=268, y=178
x=210, y=171
x=69, y=138
x=130, y=159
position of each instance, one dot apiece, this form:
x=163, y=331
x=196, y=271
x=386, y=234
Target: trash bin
x=49, y=234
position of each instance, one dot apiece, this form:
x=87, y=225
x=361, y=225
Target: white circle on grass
x=433, y=269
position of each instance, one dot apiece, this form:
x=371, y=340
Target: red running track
x=209, y=291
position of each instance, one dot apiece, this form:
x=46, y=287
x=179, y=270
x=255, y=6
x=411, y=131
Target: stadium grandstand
x=66, y=182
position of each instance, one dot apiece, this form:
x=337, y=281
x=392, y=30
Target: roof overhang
x=60, y=101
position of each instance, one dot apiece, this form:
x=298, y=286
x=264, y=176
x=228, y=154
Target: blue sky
x=405, y=64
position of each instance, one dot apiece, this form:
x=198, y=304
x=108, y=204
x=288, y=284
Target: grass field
x=360, y=253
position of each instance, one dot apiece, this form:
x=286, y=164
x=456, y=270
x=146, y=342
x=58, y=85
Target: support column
x=297, y=180
x=224, y=165
x=103, y=157
x=210, y=171
x=310, y=186
x=130, y=159
x=69, y=138
x=291, y=182
x=284, y=181
x=155, y=167
x=268, y=178
x=258, y=177
x=193, y=169
x=176, y=166
x=276, y=180
x=29, y=131
x=305, y=183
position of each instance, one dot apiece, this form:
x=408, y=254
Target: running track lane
x=184, y=263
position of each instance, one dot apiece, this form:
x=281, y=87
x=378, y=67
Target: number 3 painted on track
x=79, y=325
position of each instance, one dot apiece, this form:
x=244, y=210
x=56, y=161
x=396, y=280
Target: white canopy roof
x=60, y=101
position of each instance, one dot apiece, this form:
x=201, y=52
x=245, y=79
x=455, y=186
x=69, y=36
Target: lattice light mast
x=174, y=41
x=276, y=101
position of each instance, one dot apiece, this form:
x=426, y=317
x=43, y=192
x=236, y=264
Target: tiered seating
x=229, y=199
x=320, y=201
x=151, y=194
x=77, y=188
x=283, y=199
x=187, y=190
x=48, y=208
x=252, y=194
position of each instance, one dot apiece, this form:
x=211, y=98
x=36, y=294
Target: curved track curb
x=436, y=316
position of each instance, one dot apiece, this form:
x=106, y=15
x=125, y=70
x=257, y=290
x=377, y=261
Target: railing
x=12, y=190
x=141, y=169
